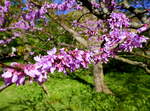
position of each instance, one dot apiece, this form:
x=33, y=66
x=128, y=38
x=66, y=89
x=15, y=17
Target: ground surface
x=75, y=93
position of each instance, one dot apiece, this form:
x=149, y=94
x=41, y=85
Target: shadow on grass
x=5, y=108
x=81, y=80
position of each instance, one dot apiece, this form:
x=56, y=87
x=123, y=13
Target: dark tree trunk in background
x=100, y=85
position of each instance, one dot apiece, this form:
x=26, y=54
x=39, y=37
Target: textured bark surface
x=100, y=85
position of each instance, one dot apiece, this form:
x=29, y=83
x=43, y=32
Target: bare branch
x=82, y=16
x=11, y=67
x=4, y=87
x=138, y=13
x=44, y=88
x=88, y=5
x=138, y=54
x=75, y=34
x=67, y=45
x=140, y=64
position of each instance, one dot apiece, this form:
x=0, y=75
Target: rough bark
x=100, y=85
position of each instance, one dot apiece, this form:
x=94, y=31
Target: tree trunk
x=100, y=86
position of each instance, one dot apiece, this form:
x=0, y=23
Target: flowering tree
x=102, y=28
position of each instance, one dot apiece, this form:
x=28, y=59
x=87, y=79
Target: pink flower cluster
x=132, y=41
x=14, y=75
x=4, y=9
x=124, y=40
x=95, y=5
x=108, y=36
x=27, y=20
x=62, y=61
x=118, y=38
x=118, y=20
x=90, y=28
x=65, y=5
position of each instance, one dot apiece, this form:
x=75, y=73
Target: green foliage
x=74, y=92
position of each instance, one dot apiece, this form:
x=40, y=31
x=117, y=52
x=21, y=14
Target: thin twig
x=44, y=88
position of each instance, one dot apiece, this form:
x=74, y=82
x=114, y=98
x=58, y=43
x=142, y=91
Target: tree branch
x=44, y=88
x=76, y=35
x=138, y=13
x=138, y=54
x=11, y=67
x=140, y=64
x=88, y=5
x=4, y=87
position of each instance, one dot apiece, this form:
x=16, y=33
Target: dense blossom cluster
x=3, y=10
x=66, y=5
x=27, y=20
x=118, y=20
x=118, y=38
x=14, y=75
x=109, y=36
x=62, y=61
x=120, y=34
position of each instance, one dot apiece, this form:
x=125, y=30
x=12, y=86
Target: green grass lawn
x=75, y=93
